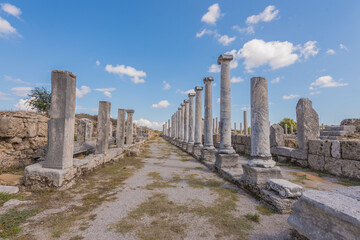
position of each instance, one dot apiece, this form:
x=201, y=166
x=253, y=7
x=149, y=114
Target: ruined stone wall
x=341, y=158
x=241, y=144
x=23, y=138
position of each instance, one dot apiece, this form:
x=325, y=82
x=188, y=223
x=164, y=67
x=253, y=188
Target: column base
x=183, y=145
x=261, y=162
x=226, y=160
x=208, y=154
x=189, y=148
x=257, y=177
x=197, y=150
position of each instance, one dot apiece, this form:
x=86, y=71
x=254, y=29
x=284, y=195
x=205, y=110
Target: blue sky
x=145, y=55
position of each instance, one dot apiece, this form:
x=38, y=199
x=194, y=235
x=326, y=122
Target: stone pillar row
x=61, y=125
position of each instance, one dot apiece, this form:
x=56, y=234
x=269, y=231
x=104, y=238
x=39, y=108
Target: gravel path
x=168, y=161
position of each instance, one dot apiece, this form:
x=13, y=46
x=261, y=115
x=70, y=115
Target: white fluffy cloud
x=330, y=51
x=275, y=80
x=106, y=91
x=23, y=105
x=309, y=49
x=21, y=91
x=16, y=80
x=291, y=96
x=266, y=16
x=161, y=104
x=214, y=68
x=185, y=92
x=226, y=40
x=11, y=9
x=82, y=91
x=147, y=123
x=6, y=29
x=166, y=85
x=315, y=93
x=97, y=63
x=325, y=82
x=276, y=54
x=212, y=15
x=247, y=30
x=236, y=79
x=342, y=46
x=121, y=70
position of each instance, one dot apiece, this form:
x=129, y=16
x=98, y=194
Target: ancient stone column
x=291, y=129
x=286, y=128
x=198, y=123
x=260, y=166
x=179, y=124
x=307, y=123
x=245, y=123
x=190, y=143
x=169, y=128
x=186, y=123
x=129, y=128
x=235, y=127
x=241, y=128
x=120, y=128
x=84, y=130
x=62, y=120
x=225, y=156
x=103, y=128
x=260, y=130
x=182, y=138
x=208, y=151
x=213, y=126
x=216, y=126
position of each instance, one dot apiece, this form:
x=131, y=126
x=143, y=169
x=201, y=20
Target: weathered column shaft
x=191, y=117
x=182, y=139
x=208, y=135
x=120, y=127
x=129, y=129
x=217, y=126
x=225, y=105
x=260, y=130
x=245, y=123
x=62, y=120
x=103, y=127
x=186, y=121
x=198, y=118
x=84, y=130
x=169, y=128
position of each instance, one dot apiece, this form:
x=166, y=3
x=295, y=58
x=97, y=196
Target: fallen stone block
x=325, y=215
x=284, y=188
x=9, y=189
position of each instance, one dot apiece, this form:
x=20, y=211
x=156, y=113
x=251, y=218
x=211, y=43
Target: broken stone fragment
x=284, y=188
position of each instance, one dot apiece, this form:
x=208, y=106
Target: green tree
x=289, y=122
x=40, y=99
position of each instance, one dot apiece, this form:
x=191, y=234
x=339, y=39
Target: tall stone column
x=186, y=124
x=61, y=125
x=260, y=166
x=179, y=125
x=235, y=127
x=286, y=128
x=208, y=151
x=291, y=129
x=217, y=126
x=240, y=128
x=103, y=127
x=226, y=155
x=120, y=127
x=198, y=123
x=182, y=138
x=213, y=126
x=84, y=130
x=129, y=128
x=190, y=143
x=245, y=123
x=169, y=128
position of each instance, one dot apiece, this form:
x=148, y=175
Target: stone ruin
x=60, y=169
x=315, y=214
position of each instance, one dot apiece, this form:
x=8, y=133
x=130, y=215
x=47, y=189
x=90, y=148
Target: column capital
x=186, y=101
x=130, y=110
x=179, y=108
x=183, y=104
x=208, y=79
x=198, y=88
x=191, y=95
x=224, y=57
